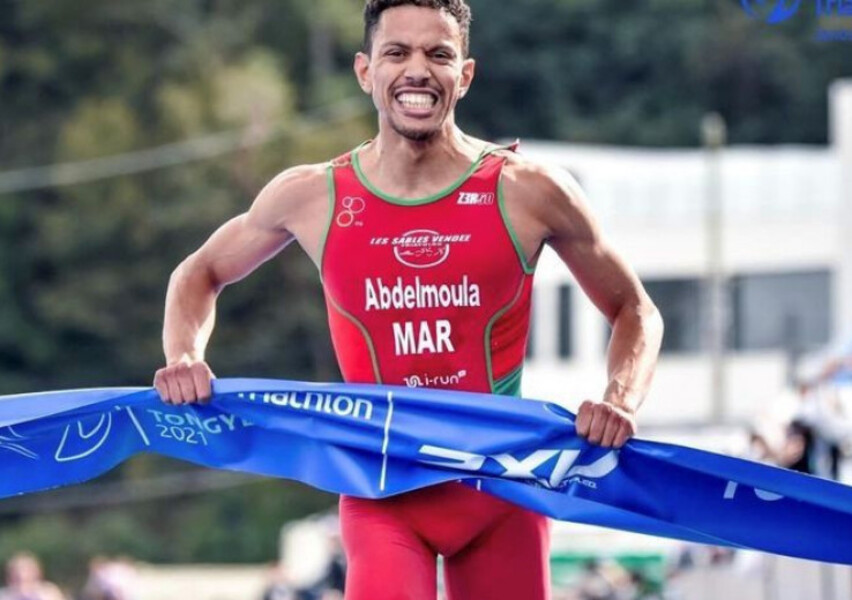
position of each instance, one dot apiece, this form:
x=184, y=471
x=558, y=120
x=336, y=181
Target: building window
x=564, y=331
x=680, y=303
x=781, y=311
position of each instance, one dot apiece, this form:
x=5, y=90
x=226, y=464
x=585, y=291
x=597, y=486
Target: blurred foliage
x=238, y=524
x=645, y=71
x=84, y=267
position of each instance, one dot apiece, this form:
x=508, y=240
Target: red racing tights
x=492, y=550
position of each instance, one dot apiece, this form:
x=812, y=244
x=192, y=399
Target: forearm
x=632, y=355
x=190, y=312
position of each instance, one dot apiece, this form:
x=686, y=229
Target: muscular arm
x=558, y=208
x=235, y=250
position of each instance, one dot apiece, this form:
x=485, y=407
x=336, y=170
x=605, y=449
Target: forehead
x=417, y=26
x=22, y=563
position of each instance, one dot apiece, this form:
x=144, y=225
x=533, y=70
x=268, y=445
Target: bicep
x=245, y=242
x=238, y=247
x=602, y=274
x=605, y=277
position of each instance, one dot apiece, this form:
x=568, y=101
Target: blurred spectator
x=604, y=581
x=335, y=578
x=313, y=558
x=820, y=420
x=279, y=586
x=693, y=557
x=797, y=452
x=110, y=579
x=837, y=367
x=24, y=580
x=812, y=440
x=759, y=448
x=642, y=588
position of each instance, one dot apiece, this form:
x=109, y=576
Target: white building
x=786, y=252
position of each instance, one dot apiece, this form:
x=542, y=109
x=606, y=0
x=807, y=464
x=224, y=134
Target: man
x=24, y=580
x=426, y=241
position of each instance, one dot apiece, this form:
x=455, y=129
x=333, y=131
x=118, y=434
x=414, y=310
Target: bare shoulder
x=525, y=175
x=550, y=195
x=51, y=591
x=290, y=195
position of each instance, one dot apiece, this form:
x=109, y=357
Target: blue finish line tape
x=377, y=441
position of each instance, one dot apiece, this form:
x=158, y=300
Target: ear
x=468, y=71
x=362, y=72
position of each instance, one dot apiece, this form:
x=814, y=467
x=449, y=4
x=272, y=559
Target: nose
x=417, y=69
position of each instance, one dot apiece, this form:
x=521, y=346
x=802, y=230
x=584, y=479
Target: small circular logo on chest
x=351, y=207
x=421, y=248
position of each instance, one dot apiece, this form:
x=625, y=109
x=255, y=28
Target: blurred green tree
x=84, y=266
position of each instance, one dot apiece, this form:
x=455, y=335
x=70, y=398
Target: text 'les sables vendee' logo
x=424, y=248
x=771, y=11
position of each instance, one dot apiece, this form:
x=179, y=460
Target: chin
x=415, y=135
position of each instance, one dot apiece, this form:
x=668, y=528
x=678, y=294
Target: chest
x=458, y=239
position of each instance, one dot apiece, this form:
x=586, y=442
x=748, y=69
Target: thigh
x=511, y=560
x=386, y=559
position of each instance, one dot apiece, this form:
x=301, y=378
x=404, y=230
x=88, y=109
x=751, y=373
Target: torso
x=409, y=305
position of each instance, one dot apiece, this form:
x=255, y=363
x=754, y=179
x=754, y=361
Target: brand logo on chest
x=422, y=248
x=351, y=208
x=476, y=198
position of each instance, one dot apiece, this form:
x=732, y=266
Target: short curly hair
x=459, y=9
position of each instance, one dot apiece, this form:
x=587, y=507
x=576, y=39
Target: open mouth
x=417, y=102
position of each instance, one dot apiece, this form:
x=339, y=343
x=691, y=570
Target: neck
x=413, y=165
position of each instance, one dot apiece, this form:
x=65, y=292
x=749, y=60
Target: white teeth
x=412, y=100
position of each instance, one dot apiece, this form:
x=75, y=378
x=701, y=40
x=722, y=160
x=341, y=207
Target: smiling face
x=416, y=71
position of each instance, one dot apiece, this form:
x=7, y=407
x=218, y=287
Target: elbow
x=643, y=317
x=193, y=272
x=652, y=323
x=181, y=273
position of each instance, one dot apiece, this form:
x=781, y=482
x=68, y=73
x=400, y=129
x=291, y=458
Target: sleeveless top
x=431, y=292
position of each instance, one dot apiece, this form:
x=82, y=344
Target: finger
x=201, y=378
x=602, y=412
x=186, y=384
x=625, y=432
x=174, y=388
x=584, y=418
x=161, y=386
x=613, y=426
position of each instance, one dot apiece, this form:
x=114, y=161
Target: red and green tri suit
x=432, y=292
